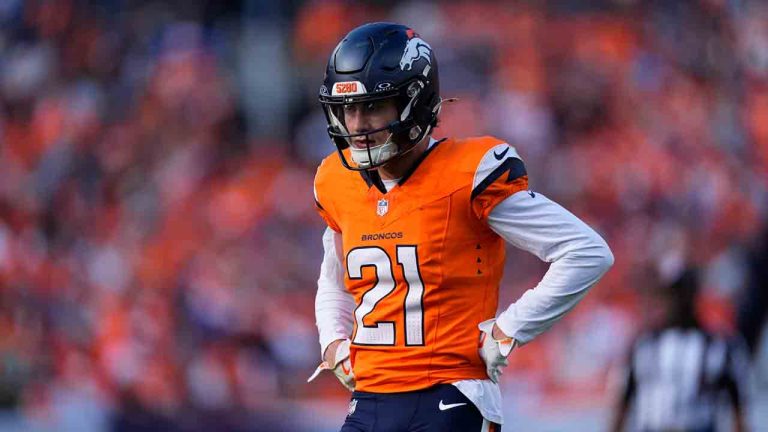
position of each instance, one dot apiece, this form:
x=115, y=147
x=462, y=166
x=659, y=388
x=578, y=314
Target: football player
x=414, y=249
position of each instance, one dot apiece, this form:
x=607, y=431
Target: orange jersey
x=420, y=260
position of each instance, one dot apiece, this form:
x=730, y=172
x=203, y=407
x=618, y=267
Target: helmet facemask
x=404, y=131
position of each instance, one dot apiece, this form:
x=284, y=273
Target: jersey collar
x=372, y=177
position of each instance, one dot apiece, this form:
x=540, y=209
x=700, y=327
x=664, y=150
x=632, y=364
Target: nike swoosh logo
x=444, y=407
x=500, y=156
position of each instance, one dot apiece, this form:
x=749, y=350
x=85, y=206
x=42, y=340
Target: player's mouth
x=362, y=142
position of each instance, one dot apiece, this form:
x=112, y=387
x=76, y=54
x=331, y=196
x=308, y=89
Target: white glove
x=494, y=352
x=342, y=366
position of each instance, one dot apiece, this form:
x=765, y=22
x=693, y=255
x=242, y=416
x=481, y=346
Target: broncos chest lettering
x=401, y=220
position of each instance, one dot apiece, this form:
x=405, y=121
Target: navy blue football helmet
x=379, y=61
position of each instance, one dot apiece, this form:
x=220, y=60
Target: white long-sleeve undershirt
x=334, y=305
x=579, y=258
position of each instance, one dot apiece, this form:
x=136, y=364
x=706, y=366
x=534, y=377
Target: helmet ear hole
x=413, y=89
x=414, y=133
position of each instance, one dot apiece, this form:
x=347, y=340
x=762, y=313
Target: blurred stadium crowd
x=158, y=243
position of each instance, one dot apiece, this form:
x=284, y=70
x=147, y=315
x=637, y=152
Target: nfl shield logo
x=352, y=406
x=382, y=208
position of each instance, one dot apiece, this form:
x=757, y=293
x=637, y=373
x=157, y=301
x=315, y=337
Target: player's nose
x=357, y=121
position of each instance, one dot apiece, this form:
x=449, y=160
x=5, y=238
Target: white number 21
x=383, y=332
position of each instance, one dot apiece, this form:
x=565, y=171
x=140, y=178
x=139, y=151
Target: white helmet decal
x=415, y=49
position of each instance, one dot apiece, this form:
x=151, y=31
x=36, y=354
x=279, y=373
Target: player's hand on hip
x=341, y=366
x=330, y=352
x=494, y=351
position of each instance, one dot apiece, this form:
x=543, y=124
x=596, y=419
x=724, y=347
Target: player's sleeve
x=333, y=303
x=579, y=257
x=499, y=174
x=323, y=208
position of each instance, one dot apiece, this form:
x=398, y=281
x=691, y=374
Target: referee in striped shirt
x=679, y=375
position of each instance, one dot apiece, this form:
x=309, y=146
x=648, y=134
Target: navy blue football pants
x=442, y=408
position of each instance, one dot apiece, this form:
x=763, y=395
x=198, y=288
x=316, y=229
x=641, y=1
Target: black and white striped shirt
x=677, y=377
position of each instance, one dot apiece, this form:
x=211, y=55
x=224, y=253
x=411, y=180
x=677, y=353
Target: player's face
x=366, y=116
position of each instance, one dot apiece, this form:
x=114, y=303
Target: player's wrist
x=330, y=352
x=499, y=334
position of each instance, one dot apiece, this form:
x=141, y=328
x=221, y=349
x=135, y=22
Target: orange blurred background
x=159, y=249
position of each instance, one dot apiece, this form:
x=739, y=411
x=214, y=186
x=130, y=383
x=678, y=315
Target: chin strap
x=437, y=108
x=442, y=101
